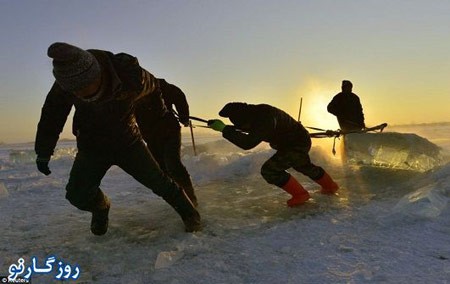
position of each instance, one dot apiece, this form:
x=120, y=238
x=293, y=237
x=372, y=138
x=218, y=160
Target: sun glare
x=318, y=115
x=314, y=107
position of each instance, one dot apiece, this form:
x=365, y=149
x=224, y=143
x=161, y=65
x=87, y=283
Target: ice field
x=390, y=222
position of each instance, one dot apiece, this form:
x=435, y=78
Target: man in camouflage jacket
x=253, y=124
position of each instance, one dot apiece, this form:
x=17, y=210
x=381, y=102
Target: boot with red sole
x=299, y=194
x=328, y=185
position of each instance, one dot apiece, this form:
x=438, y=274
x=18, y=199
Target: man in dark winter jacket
x=103, y=87
x=163, y=134
x=346, y=106
x=253, y=124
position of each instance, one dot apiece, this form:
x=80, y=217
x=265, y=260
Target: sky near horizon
x=396, y=53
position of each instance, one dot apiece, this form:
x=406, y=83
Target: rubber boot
x=299, y=194
x=184, y=207
x=99, y=221
x=327, y=184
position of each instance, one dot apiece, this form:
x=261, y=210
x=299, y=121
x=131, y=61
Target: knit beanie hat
x=73, y=67
x=238, y=113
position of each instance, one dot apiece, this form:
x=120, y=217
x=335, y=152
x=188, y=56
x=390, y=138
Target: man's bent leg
x=274, y=172
x=175, y=168
x=83, y=190
x=303, y=164
x=139, y=163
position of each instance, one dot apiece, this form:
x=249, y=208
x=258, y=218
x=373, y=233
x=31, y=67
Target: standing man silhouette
x=346, y=106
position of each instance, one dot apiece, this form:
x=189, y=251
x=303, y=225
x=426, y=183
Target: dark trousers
x=274, y=169
x=89, y=168
x=165, y=147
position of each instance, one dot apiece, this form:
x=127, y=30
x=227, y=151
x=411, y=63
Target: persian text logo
x=63, y=271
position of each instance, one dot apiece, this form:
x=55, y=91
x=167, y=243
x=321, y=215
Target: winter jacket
x=148, y=121
x=107, y=124
x=271, y=125
x=348, y=110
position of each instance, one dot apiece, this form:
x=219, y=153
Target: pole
x=192, y=137
x=300, y=110
x=198, y=119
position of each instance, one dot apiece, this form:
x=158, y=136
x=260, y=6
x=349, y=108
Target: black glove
x=184, y=120
x=42, y=165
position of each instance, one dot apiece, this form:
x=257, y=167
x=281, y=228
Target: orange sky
x=275, y=52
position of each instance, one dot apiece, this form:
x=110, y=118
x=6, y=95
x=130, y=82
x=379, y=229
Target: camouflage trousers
x=274, y=170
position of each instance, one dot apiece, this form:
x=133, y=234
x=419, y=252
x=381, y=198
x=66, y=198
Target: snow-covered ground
x=390, y=222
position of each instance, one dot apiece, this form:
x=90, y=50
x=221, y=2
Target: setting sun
x=316, y=96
